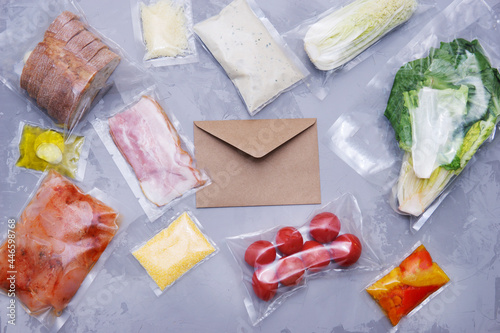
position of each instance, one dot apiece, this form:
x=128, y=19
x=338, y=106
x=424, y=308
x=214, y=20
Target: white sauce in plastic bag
x=252, y=59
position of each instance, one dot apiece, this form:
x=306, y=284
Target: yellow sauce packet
x=174, y=251
x=43, y=149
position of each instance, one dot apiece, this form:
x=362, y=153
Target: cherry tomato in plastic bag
x=260, y=253
x=315, y=256
x=346, y=250
x=289, y=240
x=265, y=283
x=290, y=270
x=324, y=227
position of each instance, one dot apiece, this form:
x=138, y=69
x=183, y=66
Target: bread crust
x=67, y=69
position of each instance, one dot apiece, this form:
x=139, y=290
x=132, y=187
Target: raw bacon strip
x=61, y=234
x=151, y=145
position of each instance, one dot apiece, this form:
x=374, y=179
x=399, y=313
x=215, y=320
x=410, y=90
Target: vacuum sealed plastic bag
x=148, y=150
x=42, y=149
x=276, y=263
x=443, y=105
x=339, y=38
x=61, y=64
x=251, y=52
x=342, y=35
x=60, y=235
x=174, y=251
x=409, y=285
x=164, y=29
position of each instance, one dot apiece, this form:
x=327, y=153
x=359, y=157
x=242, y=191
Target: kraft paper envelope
x=258, y=162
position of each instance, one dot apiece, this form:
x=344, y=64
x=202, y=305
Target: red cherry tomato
x=289, y=240
x=290, y=270
x=315, y=256
x=345, y=249
x=265, y=283
x=324, y=227
x=260, y=253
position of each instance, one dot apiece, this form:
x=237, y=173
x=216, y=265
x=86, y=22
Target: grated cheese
x=173, y=251
x=164, y=29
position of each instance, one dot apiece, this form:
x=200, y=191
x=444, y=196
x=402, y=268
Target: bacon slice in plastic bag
x=148, y=140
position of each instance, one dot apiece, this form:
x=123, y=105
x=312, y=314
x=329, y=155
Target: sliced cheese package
x=163, y=31
x=173, y=251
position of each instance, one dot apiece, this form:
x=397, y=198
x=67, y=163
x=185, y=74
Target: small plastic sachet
x=163, y=31
x=174, y=251
x=408, y=285
x=43, y=149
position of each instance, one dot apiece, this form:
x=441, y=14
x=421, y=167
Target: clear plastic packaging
x=40, y=148
x=173, y=251
x=155, y=161
x=163, y=29
x=252, y=53
x=341, y=37
x=405, y=288
x=24, y=30
x=55, y=248
x=365, y=140
x=51, y=56
x=277, y=262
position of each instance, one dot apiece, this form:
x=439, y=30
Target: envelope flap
x=256, y=137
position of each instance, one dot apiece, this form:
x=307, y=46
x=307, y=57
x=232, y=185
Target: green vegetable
x=442, y=108
x=339, y=37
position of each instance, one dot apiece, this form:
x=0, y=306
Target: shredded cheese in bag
x=173, y=251
x=164, y=29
